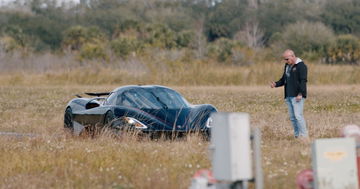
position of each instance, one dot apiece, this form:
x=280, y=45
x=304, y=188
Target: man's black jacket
x=295, y=84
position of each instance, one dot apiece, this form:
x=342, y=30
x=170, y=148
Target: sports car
x=148, y=109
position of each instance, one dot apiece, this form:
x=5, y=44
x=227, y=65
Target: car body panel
x=159, y=108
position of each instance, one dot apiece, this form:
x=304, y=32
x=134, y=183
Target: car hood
x=181, y=119
x=174, y=118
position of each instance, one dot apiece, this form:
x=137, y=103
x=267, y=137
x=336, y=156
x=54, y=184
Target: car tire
x=109, y=117
x=113, y=123
x=206, y=135
x=68, y=120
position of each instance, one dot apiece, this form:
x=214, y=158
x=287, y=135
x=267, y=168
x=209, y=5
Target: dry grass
x=168, y=72
x=55, y=160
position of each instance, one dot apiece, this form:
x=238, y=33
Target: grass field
x=56, y=160
x=169, y=73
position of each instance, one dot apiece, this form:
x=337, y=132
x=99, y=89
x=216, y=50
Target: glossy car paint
x=180, y=117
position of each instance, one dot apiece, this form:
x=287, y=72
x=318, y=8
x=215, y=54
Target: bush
x=243, y=55
x=342, y=16
x=221, y=50
x=344, y=50
x=225, y=19
x=161, y=36
x=305, y=38
x=17, y=35
x=185, y=38
x=123, y=46
x=91, y=51
x=75, y=37
x=230, y=52
x=9, y=44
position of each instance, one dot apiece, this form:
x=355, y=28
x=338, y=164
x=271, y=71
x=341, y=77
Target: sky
x=4, y=2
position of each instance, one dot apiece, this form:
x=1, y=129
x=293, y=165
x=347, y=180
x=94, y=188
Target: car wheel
x=68, y=119
x=206, y=135
x=109, y=117
x=113, y=123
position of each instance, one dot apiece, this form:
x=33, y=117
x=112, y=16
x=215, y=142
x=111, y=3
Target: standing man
x=294, y=81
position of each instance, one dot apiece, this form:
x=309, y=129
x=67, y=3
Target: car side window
x=122, y=100
x=126, y=99
x=126, y=102
x=119, y=100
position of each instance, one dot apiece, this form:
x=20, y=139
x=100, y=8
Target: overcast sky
x=2, y=2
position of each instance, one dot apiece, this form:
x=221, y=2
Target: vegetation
x=168, y=72
x=55, y=160
x=218, y=52
x=220, y=31
x=345, y=49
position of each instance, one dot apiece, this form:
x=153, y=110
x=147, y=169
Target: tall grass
x=56, y=160
x=197, y=73
x=173, y=67
x=61, y=162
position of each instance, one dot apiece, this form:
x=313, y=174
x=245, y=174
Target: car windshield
x=170, y=98
x=152, y=99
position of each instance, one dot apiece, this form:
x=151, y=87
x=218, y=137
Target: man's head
x=289, y=57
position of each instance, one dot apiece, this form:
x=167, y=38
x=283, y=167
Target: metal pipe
x=259, y=180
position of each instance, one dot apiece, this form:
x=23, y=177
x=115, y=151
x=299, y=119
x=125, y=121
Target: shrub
x=91, y=51
x=345, y=49
x=9, y=44
x=305, y=37
x=221, y=49
x=342, y=16
x=123, y=46
x=17, y=35
x=243, y=55
x=161, y=36
x=230, y=52
x=76, y=36
x=185, y=38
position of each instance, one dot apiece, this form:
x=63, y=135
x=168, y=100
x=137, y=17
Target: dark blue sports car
x=149, y=109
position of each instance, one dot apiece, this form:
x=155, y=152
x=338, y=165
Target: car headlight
x=135, y=123
x=209, y=122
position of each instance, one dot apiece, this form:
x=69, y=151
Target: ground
x=56, y=160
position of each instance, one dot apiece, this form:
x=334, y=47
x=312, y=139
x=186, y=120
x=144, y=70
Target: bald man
x=294, y=81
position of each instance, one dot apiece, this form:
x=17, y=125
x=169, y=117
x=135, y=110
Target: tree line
x=227, y=31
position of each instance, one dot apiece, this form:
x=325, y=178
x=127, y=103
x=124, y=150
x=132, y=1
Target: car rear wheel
x=68, y=119
x=109, y=118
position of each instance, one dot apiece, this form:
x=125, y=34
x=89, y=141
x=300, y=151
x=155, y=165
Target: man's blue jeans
x=296, y=116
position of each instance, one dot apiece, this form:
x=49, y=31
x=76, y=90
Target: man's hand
x=272, y=84
x=298, y=98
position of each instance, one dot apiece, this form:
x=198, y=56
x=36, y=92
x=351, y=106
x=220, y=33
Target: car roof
x=128, y=87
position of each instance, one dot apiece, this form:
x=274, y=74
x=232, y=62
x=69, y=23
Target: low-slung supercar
x=149, y=109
